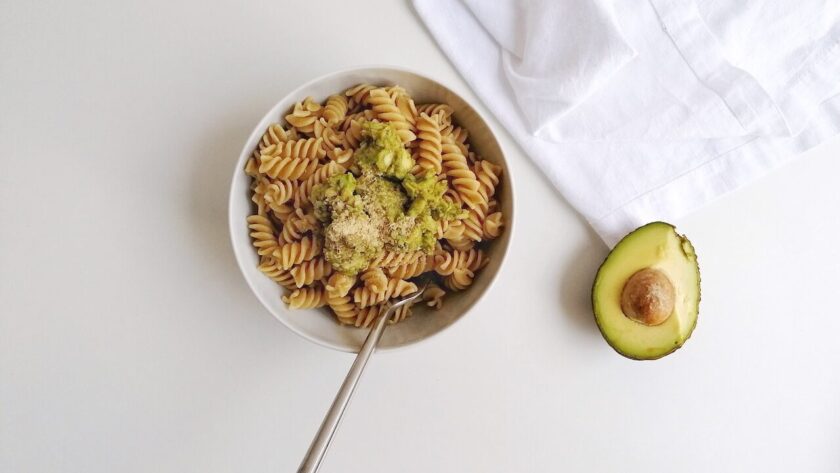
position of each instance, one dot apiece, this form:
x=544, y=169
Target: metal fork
x=312, y=461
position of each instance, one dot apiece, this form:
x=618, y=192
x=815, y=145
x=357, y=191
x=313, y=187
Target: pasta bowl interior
x=318, y=324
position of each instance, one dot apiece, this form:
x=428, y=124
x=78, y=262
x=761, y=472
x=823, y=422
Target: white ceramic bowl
x=318, y=325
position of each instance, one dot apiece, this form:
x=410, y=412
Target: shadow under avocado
x=575, y=294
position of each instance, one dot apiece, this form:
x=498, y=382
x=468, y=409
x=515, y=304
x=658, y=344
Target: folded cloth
x=672, y=104
x=550, y=69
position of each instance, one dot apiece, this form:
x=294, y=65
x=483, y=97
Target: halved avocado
x=646, y=295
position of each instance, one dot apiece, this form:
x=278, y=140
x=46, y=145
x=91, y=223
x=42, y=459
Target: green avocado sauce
x=379, y=205
x=382, y=152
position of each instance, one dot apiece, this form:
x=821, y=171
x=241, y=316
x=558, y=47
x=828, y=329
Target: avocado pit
x=648, y=297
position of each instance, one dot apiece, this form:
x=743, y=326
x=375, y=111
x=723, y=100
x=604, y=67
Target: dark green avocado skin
x=677, y=346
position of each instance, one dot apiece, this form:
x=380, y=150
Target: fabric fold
x=700, y=118
x=553, y=68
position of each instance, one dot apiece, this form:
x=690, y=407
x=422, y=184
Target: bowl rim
x=246, y=150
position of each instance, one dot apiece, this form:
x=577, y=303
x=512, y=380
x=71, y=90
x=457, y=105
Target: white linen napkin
x=641, y=111
x=549, y=68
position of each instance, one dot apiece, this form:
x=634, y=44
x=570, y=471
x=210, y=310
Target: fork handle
x=312, y=461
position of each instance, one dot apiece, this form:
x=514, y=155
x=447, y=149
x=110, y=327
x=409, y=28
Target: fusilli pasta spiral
x=374, y=280
x=296, y=226
x=306, y=298
x=365, y=316
x=274, y=193
x=447, y=262
x=443, y=110
x=263, y=235
x=390, y=259
x=278, y=167
x=340, y=284
x=430, y=147
x=407, y=108
x=290, y=254
x=487, y=174
x=462, y=178
x=276, y=135
x=433, y=296
x=459, y=280
x=335, y=109
x=364, y=297
x=386, y=110
x=493, y=225
x=304, y=114
x=343, y=307
x=412, y=269
x=359, y=94
x=268, y=265
x=310, y=271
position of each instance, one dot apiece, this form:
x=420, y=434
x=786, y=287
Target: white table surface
x=129, y=341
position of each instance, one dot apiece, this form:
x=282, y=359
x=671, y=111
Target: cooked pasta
x=433, y=296
x=346, y=219
x=412, y=269
x=461, y=244
x=340, y=284
x=364, y=317
x=290, y=254
x=447, y=262
x=353, y=134
x=401, y=313
x=343, y=307
x=310, y=271
x=340, y=155
x=487, y=174
x=268, y=265
x=330, y=137
x=306, y=298
x=276, y=135
x=474, y=225
x=335, y=109
x=297, y=226
x=429, y=146
x=493, y=225
x=462, y=178
x=263, y=234
x=358, y=94
x=274, y=192
x=451, y=230
x=278, y=167
x=310, y=148
x=458, y=136
x=364, y=296
x=374, y=280
x=386, y=110
x=459, y=279
x=407, y=108
x=390, y=259
x=445, y=111
x=304, y=114
x=282, y=213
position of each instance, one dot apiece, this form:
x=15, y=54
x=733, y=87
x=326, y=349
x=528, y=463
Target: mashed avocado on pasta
x=380, y=205
x=383, y=152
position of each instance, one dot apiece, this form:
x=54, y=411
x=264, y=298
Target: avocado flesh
x=656, y=245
